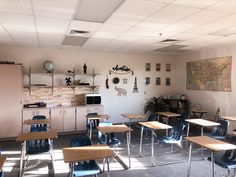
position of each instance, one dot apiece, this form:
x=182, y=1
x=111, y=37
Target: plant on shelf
x=154, y=104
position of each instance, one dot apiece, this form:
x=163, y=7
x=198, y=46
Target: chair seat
x=86, y=168
x=113, y=141
x=221, y=161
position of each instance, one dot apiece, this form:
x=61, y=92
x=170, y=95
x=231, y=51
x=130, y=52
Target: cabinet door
x=81, y=119
x=69, y=119
x=57, y=120
x=44, y=112
x=11, y=100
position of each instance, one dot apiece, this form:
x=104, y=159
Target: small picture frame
x=168, y=81
x=125, y=81
x=147, y=80
x=148, y=67
x=158, y=67
x=168, y=67
x=158, y=81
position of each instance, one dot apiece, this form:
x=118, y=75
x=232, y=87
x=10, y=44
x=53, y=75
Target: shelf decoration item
x=121, y=70
x=148, y=67
x=48, y=66
x=85, y=68
x=125, y=81
x=68, y=81
x=120, y=91
x=135, y=90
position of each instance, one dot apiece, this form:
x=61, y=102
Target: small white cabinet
x=63, y=119
x=82, y=111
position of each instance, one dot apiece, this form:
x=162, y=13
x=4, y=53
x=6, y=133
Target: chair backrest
x=1, y=172
x=153, y=117
x=39, y=127
x=217, y=115
x=220, y=130
x=183, y=117
x=80, y=141
x=94, y=123
x=177, y=132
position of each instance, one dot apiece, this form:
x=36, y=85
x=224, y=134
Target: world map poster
x=210, y=74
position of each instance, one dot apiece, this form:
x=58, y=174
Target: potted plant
x=154, y=104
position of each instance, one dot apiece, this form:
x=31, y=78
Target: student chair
x=108, y=139
x=220, y=131
x=87, y=167
x=1, y=172
x=93, y=122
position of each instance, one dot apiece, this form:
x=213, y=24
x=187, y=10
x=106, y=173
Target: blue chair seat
x=86, y=168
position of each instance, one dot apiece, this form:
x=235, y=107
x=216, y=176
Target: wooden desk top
x=155, y=125
x=232, y=118
x=211, y=143
x=40, y=121
x=36, y=136
x=198, y=111
x=168, y=114
x=134, y=116
x=99, y=116
x=114, y=129
x=202, y=122
x=77, y=154
x=2, y=161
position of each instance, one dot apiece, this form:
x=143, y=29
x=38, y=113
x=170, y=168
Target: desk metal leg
x=152, y=158
x=189, y=159
x=108, y=168
x=128, y=147
x=141, y=143
x=167, y=123
x=51, y=154
x=91, y=127
x=23, y=148
x=201, y=146
x=213, y=163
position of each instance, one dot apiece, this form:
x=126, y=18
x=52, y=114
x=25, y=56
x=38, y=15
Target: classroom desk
x=2, y=161
x=209, y=143
x=132, y=117
x=95, y=117
x=153, y=125
x=229, y=118
x=119, y=129
x=23, y=137
x=37, y=121
x=79, y=154
x=198, y=113
x=168, y=115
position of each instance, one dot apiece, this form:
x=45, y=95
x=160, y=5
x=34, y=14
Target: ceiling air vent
x=79, y=32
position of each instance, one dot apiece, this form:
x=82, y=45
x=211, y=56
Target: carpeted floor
x=140, y=167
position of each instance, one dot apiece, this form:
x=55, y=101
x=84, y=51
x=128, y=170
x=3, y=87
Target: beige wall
x=209, y=100
x=65, y=59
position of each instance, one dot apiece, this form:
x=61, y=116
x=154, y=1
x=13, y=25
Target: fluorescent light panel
x=96, y=11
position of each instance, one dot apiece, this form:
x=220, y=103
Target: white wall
x=209, y=100
x=65, y=59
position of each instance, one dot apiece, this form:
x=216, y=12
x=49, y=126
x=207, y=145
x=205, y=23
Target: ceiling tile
x=55, y=8
x=28, y=37
x=96, y=42
x=228, y=6
x=16, y=6
x=96, y=11
x=197, y=4
x=172, y=13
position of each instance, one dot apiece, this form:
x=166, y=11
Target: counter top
x=62, y=107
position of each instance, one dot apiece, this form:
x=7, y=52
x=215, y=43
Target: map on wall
x=210, y=74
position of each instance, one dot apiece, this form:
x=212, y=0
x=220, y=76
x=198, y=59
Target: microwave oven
x=92, y=98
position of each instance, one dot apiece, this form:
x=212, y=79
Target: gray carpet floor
x=140, y=167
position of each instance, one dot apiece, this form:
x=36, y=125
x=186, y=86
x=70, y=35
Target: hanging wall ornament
x=125, y=81
x=135, y=90
x=121, y=70
x=107, y=85
x=121, y=91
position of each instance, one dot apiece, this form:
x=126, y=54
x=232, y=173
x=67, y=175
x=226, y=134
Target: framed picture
x=158, y=67
x=148, y=67
x=168, y=67
x=158, y=81
x=168, y=81
x=147, y=80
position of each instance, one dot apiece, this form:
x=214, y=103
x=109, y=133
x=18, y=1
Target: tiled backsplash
x=57, y=95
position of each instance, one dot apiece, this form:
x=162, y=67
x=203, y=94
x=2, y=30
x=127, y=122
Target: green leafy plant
x=154, y=104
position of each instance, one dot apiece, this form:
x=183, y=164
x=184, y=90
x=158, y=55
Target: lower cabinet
x=63, y=119
x=81, y=113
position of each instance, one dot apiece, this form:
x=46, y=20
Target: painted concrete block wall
x=209, y=100
x=65, y=59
